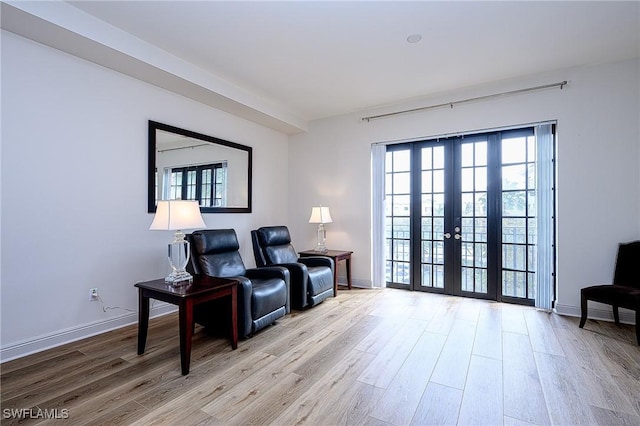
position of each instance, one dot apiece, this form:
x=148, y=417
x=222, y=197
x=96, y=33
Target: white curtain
x=378, y=154
x=544, y=215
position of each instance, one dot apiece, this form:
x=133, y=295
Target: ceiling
x=284, y=64
x=326, y=58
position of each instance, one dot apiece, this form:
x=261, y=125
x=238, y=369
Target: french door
x=460, y=215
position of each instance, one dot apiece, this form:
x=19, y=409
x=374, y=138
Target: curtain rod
x=182, y=147
x=466, y=132
x=451, y=104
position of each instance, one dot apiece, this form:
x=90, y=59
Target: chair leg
x=638, y=324
x=583, y=310
x=616, y=315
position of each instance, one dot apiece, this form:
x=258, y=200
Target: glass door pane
x=397, y=217
x=518, y=217
x=473, y=222
x=432, y=220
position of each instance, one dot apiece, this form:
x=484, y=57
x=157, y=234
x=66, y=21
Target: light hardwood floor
x=375, y=357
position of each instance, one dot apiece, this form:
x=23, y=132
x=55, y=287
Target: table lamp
x=321, y=215
x=176, y=215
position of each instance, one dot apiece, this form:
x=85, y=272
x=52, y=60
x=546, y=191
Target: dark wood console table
x=203, y=289
x=337, y=256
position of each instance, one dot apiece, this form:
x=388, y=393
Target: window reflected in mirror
x=190, y=166
x=205, y=183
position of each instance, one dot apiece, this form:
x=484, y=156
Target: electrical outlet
x=93, y=293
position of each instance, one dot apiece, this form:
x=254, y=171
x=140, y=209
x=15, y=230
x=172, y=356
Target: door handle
x=447, y=235
x=457, y=236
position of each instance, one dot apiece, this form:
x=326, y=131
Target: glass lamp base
x=179, y=278
x=321, y=247
x=178, y=255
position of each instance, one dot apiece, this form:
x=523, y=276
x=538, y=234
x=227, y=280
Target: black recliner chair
x=263, y=293
x=311, y=277
x=625, y=290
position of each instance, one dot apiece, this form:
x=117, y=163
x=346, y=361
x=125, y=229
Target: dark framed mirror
x=185, y=165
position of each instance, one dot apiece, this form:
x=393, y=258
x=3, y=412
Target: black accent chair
x=625, y=290
x=311, y=277
x=263, y=293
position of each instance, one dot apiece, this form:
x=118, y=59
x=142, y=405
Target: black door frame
x=452, y=247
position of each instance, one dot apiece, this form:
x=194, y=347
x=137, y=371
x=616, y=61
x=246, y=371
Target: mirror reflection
x=185, y=165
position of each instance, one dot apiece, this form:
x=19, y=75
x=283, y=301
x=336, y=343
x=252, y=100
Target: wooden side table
x=337, y=256
x=203, y=289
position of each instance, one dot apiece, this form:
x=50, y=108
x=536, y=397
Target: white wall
x=598, y=158
x=74, y=191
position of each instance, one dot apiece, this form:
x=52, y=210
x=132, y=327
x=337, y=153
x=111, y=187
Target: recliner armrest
x=298, y=274
x=244, y=305
x=279, y=272
x=318, y=261
x=268, y=272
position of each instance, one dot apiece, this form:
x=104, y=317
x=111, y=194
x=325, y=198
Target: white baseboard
x=342, y=280
x=41, y=343
x=626, y=316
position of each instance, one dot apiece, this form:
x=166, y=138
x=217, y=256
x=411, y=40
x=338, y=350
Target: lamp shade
x=172, y=215
x=320, y=215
